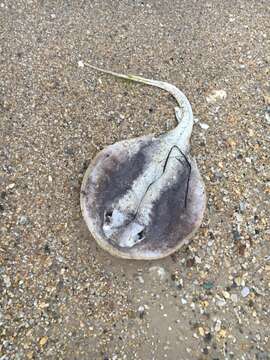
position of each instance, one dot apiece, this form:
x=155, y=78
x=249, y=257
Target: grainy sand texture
x=61, y=296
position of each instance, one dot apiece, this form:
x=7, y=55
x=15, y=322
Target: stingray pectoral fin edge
x=90, y=192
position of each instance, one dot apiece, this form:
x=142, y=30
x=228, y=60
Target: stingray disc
x=144, y=198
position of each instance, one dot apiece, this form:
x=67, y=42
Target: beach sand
x=62, y=297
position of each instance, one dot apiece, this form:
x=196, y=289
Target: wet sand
x=62, y=297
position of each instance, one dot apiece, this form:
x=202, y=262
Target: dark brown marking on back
x=118, y=173
x=170, y=218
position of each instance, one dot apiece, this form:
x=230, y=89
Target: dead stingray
x=144, y=198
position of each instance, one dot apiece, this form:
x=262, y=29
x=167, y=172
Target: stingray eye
x=140, y=235
x=108, y=216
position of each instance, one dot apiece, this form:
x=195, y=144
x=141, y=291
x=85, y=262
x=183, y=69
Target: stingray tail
x=181, y=98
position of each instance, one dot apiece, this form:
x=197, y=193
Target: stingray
x=143, y=198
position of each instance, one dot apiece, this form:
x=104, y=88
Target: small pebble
x=158, y=273
x=201, y=331
x=216, y=95
x=7, y=281
x=226, y=294
x=242, y=206
x=208, y=285
x=43, y=341
x=141, y=311
x=204, y=126
x=221, y=302
x=23, y=220
x=217, y=325
x=239, y=281
x=222, y=333
x=245, y=291
x=236, y=235
x=267, y=117
x=10, y=186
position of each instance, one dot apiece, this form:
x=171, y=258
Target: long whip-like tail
x=173, y=90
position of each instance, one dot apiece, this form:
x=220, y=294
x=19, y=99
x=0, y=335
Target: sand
x=62, y=297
